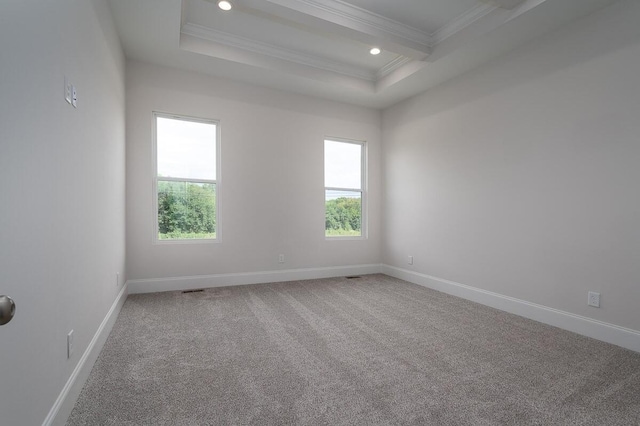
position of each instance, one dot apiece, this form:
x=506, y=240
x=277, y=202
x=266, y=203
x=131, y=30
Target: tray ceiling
x=321, y=47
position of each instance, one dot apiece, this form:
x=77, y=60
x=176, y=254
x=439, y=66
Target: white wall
x=272, y=190
x=62, y=219
x=521, y=178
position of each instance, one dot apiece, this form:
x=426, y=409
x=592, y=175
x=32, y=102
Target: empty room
x=319, y=212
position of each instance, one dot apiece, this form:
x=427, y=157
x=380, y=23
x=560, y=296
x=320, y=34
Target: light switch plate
x=67, y=90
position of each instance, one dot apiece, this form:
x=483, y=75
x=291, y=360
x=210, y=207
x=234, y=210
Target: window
x=186, y=178
x=344, y=178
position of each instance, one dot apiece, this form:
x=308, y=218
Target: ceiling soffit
x=328, y=40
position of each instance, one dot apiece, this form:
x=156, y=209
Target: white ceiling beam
x=340, y=18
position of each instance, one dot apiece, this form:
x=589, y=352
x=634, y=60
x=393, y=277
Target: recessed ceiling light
x=375, y=51
x=224, y=4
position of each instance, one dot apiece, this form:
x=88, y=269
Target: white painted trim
x=156, y=178
x=362, y=17
x=63, y=406
x=610, y=333
x=153, y=285
x=363, y=190
x=339, y=17
x=461, y=22
x=392, y=66
x=262, y=48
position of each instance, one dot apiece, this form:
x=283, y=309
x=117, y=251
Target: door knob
x=7, y=309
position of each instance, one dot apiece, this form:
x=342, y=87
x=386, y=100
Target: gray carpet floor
x=367, y=351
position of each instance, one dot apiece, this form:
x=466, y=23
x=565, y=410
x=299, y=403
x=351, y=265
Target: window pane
x=342, y=165
x=186, y=210
x=186, y=149
x=343, y=213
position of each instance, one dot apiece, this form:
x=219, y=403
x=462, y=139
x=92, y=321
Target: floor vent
x=193, y=291
x=352, y=277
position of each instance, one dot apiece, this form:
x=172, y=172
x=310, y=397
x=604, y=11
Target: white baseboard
x=63, y=406
x=153, y=285
x=610, y=333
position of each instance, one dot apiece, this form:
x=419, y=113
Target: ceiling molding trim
x=392, y=66
x=267, y=49
x=461, y=22
x=365, y=17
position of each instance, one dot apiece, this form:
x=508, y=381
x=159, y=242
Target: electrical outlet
x=117, y=279
x=70, y=344
x=410, y=260
x=281, y=258
x=594, y=299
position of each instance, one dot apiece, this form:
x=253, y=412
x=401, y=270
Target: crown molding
x=350, y=17
x=341, y=18
x=278, y=52
x=461, y=22
x=364, y=17
x=392, y=66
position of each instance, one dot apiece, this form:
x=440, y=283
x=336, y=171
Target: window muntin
x=186, y=181
x=344, y=165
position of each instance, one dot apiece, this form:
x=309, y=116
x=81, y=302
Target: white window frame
x=155, y=177
x=363, y=190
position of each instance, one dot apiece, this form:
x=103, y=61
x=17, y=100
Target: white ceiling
x=321, y=47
